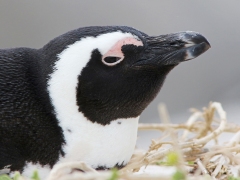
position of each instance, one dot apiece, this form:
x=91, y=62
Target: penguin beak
x=171, y=49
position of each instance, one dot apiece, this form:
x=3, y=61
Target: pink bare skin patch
x=116, y=50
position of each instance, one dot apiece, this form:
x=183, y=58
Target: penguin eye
x=112, y=60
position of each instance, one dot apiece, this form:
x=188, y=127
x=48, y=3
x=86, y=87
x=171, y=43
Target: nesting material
x=187, y=155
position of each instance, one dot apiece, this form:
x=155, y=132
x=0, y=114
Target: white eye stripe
x=62, y=86
x=64, y=80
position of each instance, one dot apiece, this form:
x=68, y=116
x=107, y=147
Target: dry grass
x=186, y=149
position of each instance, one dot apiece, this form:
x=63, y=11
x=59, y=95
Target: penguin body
x=79, y=97
x=24, y=121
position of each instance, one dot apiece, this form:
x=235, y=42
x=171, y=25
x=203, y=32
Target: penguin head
x=113, y=72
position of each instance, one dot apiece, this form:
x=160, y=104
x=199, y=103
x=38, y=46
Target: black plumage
x=25, y=117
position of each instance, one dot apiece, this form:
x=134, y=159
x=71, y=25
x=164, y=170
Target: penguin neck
x=39, y=70
x=35, y=74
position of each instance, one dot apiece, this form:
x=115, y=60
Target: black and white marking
x=79, y=98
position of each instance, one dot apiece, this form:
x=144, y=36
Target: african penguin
x=79, y=97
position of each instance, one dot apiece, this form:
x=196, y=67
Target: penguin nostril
x=176, y=43
x=111, y=59
x=173, y=44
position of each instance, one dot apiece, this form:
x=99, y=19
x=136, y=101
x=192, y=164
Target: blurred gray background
x=214, y=76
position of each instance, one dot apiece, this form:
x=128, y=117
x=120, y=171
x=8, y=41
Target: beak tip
x=195, y=38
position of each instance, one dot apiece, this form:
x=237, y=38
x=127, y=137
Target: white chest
x=99, y=145
x=94, y=144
